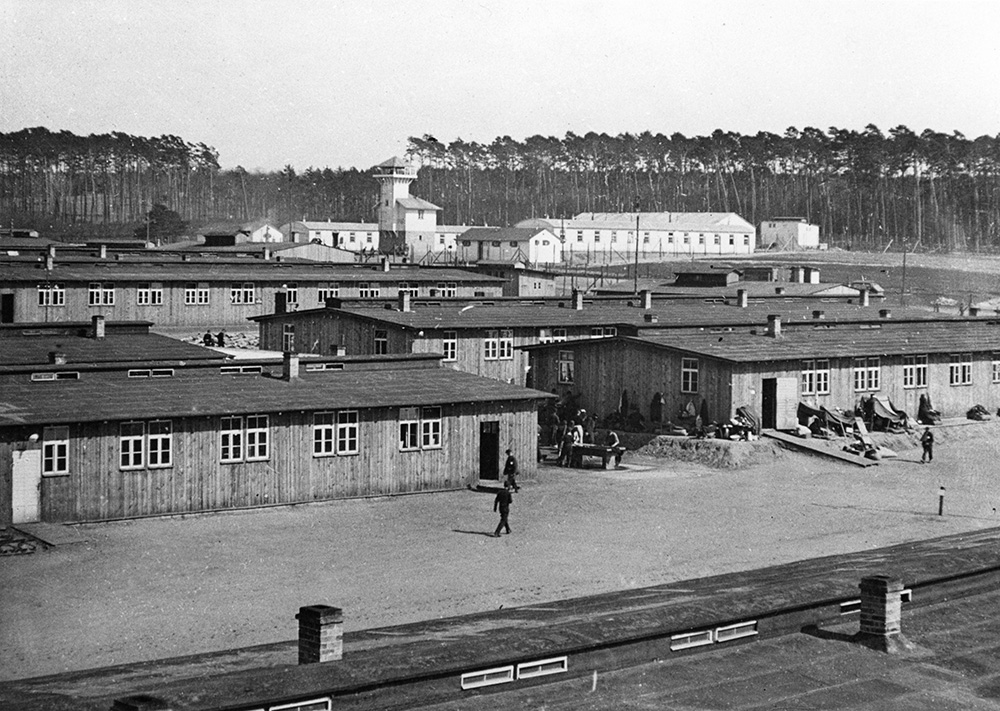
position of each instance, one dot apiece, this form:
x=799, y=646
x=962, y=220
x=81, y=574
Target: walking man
x=927, y=442
x=510, y=471
x=502, y=504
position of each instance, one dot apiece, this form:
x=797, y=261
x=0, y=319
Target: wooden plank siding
x=604, y=370
x=220, y=311
x=96, y=487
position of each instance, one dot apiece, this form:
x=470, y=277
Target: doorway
x=27, y=486
x=769, y=404
x=6, y=308
x=489, y=450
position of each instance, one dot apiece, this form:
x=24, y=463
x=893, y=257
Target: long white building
x=606, y=234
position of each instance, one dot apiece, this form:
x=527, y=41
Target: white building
x=512, y=245
x=788, y=234
x=612, y=235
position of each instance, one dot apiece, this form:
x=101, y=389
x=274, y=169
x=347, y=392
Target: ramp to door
x=811, y=447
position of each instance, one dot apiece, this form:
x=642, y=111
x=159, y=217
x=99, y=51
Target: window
x=815, y=377
x=579, y=235
x=257, y=438
x=448, y=289
x=867, y=374
x=670, y=238
x=242, y=293
x=915, y=371
x=687, y=240
x=603, y=331
x=230, y=440
x=645, y=238
x=409, y=428
x=449, y=344
x=149, y=294
x=564, y=364
x=101, y=294
x=746, y=241
x=960, y=369
x=716, y=239
x=491, y=345
x=195, y=294
x=996, y=367
x=381, y=342
x=430, y=428
x=55, y=451
x=732, y=241
x=597, y=236
x=288, y=337
x=323, y=429
x=701, y=239
x=130, y=445
x=420, y=214
x=506, y=344
x=411, y=288
x=292, y=293
x=351, y=238
x=51, y=295
x=368, y=238
x=327, y=291
x=466, y=242
x=689, y=375
x=347, y=432
x=614, y=237
x=369, y=290
x=440, y=239
x=160, y=443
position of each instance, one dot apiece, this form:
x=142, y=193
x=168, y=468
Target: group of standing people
x=209, y=340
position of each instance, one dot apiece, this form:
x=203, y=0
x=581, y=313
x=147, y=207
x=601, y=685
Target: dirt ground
x=164, y=587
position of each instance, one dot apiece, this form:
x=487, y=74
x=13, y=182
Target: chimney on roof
x=185, y=257
x=647, y=299
x=973, y=311
x=57, y=358
x=98, y=331
x=884, y=313
x=741, y=298
x=266, y=254
x=280, y=302
x=102, y=252
x=797, y=276
x=650, y=318
x=385, y=264
x=290, y=366
x=578, y=300
x=774, y=326
x=865, y=298
x=779, y=290
x=340, y=350
x=49, y=262
x=813, y=276
x=119, y=256
x=52, y=251
x=404, y=302
x=818, y=314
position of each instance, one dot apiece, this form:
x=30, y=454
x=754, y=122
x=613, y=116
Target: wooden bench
x=606, y=454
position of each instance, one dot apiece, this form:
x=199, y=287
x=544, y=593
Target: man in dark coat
x=502, y=504
x=510, y=471
x=927, y=442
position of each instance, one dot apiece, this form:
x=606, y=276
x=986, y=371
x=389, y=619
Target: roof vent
x=779, y=290
x=884, y=313
x=817, y=314
x=650, y=318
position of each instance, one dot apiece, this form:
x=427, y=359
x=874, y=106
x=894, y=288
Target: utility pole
x=635, y=281
x=902, y=290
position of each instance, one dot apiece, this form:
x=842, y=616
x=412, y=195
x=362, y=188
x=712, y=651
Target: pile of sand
x=716, y=453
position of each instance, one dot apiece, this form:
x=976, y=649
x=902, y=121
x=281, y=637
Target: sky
x=345, y=83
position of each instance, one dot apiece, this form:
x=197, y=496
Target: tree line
x=866, y=189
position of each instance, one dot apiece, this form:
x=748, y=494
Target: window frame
x=449, y=346
x=565, y=367
x=55, y=451
x=914, y=371
x=131, y=445
x=288, y=338
x=242, y=293
x=409, y=429
x=430, y=427
x=257, y=438
x=324, y=429
x=491, y=345
x=815, y=377
x=867, y=374
x=100, y=293
x=348, y=433
x=196, y=294
x=52, y=294
x=380, y=341
x=690, y=375
x=960, y=369
x=165, y=435
x=231, y=439
x=505, y=344
x=328, y=290
x=996, y=368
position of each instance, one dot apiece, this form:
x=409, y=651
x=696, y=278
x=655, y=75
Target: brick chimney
x=741, y=298
x=404, y=301
x=385, y=264
x=103, y=251
x=98, y=331
x=647, y=299
x=320, y=634
x=865, y=298
x=57, y=358
x=266, y=254
x=578, y=300
x=774, y=326
x=290, y=366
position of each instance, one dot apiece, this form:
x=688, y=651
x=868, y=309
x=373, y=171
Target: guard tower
x=406, y=224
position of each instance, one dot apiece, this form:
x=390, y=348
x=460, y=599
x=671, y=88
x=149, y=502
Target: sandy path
x=165, y=587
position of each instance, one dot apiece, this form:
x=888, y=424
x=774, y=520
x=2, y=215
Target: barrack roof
x=205, y=392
